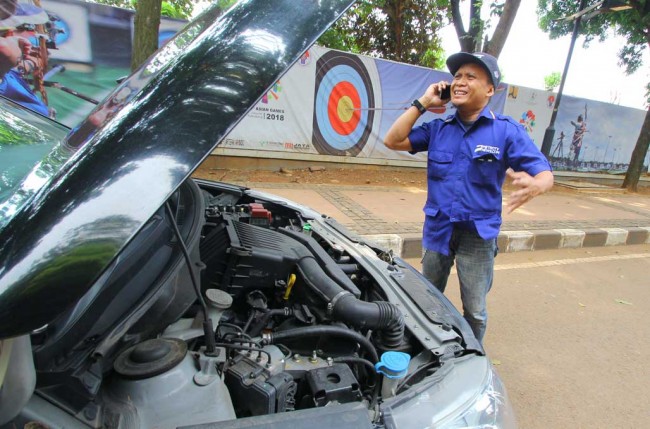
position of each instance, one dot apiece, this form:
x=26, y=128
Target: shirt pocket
x=439, y=164
x=485, y=169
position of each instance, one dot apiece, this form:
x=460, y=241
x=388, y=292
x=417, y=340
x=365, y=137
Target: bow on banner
x=29, y=21
x=43, y=38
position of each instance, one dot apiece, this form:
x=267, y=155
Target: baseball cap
x=487, y=61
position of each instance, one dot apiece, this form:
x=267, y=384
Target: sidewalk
x=562, y=218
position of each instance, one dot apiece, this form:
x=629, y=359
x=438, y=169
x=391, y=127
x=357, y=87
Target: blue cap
x=393, y=364
x=487, y=61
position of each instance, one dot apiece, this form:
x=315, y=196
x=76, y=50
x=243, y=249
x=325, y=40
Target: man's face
x=471, y=88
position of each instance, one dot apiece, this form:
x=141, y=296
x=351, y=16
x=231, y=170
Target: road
x=569, y=334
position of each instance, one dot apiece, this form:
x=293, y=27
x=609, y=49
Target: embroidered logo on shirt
x=488, y=149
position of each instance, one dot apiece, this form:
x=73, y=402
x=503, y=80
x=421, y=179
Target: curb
x=410, y=246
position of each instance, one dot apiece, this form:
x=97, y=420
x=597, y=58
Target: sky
x=529, y=55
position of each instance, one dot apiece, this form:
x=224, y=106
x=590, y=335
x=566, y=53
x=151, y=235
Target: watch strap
x=418, y=106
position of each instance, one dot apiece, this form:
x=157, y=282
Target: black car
x=133, y=296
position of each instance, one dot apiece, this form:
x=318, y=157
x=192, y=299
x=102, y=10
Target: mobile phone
x=446, y=93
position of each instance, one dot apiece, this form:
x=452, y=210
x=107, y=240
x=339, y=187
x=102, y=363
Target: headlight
x=491, y=410
x=468, y=395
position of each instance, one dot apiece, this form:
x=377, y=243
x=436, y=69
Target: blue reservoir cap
x=393, y=364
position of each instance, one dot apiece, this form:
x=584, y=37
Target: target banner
x=339, y=104
x=73, y=36
x=344, y=103
x=324, y=104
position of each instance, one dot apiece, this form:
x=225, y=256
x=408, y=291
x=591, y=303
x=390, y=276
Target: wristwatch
x=418, y=106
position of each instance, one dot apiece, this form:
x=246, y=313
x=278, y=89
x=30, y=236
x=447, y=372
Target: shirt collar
x=486, y=113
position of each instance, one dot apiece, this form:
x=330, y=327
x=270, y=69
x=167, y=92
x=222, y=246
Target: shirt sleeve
x=420, y=137
x=523, y=155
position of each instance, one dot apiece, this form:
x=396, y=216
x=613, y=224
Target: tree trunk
x=638, y=155
x=495, y=45
x=146, y=24
x=468, y=39
x=394, y=11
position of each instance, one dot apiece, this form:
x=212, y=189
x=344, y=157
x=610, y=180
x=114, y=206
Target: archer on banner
x=80, y=51
x=591, y=136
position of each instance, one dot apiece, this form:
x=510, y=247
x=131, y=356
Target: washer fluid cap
x=393, y=364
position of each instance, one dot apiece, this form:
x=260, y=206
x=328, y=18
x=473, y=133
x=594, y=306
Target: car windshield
x=30, y=154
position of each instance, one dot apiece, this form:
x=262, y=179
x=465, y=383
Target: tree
x=179, y=9
x=398, y=30
x=147, y=21
x=552, y=81
x=474, y=39
x=145, y=31
x=634, y=25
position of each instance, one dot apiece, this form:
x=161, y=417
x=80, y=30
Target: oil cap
x=393, y=364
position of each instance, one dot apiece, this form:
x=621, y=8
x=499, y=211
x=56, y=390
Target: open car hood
x=137, y=147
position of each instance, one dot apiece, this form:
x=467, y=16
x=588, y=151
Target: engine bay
x=286, y=320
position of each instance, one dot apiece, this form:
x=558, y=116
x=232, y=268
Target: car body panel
x=140, y=144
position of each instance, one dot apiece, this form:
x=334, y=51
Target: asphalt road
x=569, y=334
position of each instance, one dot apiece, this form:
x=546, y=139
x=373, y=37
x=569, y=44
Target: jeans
x=475, y=266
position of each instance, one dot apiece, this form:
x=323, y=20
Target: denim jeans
x=475, y=266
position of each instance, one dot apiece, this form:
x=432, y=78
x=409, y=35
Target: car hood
x=137, y=147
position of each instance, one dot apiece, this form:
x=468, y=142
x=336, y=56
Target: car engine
x=286, y=320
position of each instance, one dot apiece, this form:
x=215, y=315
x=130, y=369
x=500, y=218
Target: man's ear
x=491, y=91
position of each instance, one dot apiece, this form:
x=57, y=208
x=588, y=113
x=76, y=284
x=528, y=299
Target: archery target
x=343, y=104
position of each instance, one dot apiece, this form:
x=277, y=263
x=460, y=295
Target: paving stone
x=615, y=219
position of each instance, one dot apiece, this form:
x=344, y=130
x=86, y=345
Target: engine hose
x=345, y=307
x=356, y=360
x=318, y=331
x=349, y=268
x=257, y=328
x=380, y=315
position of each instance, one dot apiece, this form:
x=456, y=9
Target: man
x=469, y=155
x=580, y=128
x=16, y=59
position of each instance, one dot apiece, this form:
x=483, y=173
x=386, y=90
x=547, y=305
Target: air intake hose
x=345, y=307
x=323, y=277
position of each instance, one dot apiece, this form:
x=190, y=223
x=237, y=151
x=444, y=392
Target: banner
x=336, y=103
x=590, y=136
x=89, y=48
x=328, y=104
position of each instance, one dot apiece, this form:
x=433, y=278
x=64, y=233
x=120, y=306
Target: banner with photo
x=590, y=136
x=87, y=48
x=336, y=103
x=329, y=103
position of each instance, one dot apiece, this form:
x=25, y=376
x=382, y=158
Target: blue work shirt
x=465, y=172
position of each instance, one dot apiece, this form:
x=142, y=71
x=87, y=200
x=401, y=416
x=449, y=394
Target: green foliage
x=552, y=81
x=179, y=9
x=398, y=30
x=224, y=5
x=632, y=24
x=170, y=11
x=434, y=59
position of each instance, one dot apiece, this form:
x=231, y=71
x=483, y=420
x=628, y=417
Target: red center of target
x=343, y=98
